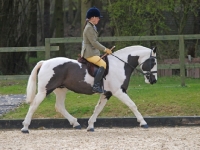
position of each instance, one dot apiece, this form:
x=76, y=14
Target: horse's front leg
x=98, y=108
x=126, y=100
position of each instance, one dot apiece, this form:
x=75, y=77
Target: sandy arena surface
x=178, y=138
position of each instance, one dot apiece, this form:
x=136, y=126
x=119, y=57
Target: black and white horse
x=61, y=74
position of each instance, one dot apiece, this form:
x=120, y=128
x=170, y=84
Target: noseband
x=148, y=73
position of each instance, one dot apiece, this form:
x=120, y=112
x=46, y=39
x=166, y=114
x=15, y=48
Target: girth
x=92, y=68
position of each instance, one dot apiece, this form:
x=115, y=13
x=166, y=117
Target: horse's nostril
x=153, y=81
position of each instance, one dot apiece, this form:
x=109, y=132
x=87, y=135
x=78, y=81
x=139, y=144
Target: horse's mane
x=130, y=49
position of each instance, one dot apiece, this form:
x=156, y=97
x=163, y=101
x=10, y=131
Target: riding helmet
x=93, y=12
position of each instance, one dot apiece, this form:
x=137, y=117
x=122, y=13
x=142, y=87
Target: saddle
x=92, y=68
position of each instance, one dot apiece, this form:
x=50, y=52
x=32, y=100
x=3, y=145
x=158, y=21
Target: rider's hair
x=86, y=21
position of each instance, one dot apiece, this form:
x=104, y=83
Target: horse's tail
x=31, y=86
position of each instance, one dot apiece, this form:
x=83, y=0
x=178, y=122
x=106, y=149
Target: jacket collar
x=94, y=27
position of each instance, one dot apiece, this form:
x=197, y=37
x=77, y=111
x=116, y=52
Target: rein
x=148, y=72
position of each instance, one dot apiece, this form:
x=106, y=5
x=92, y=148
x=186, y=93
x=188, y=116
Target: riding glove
x=108, y=51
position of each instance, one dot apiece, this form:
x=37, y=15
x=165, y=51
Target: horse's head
x=148, y=65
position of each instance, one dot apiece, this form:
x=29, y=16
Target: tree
x=46, y=19
x=70, y=11
x=77, y=17
x=14, y=32
x=85, y=5
x=180, y=11
x=59, y=27
x=143, y=17
x=33, y=25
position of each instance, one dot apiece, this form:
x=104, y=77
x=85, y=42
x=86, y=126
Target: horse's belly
x=80, y=83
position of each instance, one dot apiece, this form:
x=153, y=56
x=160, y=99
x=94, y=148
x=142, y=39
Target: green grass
x=165, y=98
x=13, y=87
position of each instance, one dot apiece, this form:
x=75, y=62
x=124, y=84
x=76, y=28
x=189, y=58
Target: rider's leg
x=97, y=87
x=97, y=61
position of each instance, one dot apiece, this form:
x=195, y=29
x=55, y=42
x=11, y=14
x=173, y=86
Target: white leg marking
x=33, y=106
x=60, y=106
x=126, y=100
x=98, y=108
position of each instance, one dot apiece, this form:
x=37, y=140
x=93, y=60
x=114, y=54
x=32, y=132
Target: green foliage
x=165, y=98
x=137, y=17
x=142, y=17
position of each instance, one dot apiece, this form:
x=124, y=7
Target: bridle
x=148, y=73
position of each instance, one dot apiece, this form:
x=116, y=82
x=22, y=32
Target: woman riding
x=91, y=47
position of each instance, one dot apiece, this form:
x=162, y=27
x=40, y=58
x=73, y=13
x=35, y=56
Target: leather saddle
x=92, y=68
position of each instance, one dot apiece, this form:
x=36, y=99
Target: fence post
x=47, y=48
x=182, y=59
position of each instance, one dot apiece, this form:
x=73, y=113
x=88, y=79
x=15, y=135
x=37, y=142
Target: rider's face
x=95, y=20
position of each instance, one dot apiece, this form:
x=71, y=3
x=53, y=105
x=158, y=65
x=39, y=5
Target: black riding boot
x=97, y=87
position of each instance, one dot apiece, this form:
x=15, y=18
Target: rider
x=91, y=47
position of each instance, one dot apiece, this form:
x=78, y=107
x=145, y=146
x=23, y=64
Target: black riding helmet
x=93, y=12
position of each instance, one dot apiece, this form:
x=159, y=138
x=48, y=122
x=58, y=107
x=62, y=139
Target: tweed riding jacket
x=90, y=46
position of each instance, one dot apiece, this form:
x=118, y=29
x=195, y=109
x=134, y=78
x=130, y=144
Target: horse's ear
x=154, y=49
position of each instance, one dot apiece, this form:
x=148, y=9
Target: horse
x=61, y=74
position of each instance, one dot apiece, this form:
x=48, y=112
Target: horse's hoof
x=91, y=130
x=25, y=131
x=77, y=127
x=145, y=126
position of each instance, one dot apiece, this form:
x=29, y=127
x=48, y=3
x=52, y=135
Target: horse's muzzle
x=153, y=81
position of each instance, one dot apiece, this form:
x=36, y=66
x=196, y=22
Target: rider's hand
x=108, y=51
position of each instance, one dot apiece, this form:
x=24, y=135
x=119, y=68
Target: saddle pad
x=92, y=68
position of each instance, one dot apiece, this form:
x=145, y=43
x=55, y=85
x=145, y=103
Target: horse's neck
x=140, y=51
x=123, y=61
x=128, y=57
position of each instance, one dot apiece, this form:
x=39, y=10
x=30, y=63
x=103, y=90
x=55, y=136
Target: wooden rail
x=13, y=77
x=182, y=66
x=124, y=38
x=25, y=49
x=31, y=49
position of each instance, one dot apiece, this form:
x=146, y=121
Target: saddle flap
x=92, y=68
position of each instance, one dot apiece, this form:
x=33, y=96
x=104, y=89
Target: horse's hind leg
x=60, y=107
x=126, y=100
x=98, y=108
x=33, y=106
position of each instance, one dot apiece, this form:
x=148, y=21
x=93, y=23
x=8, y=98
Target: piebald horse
x=61, y=74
